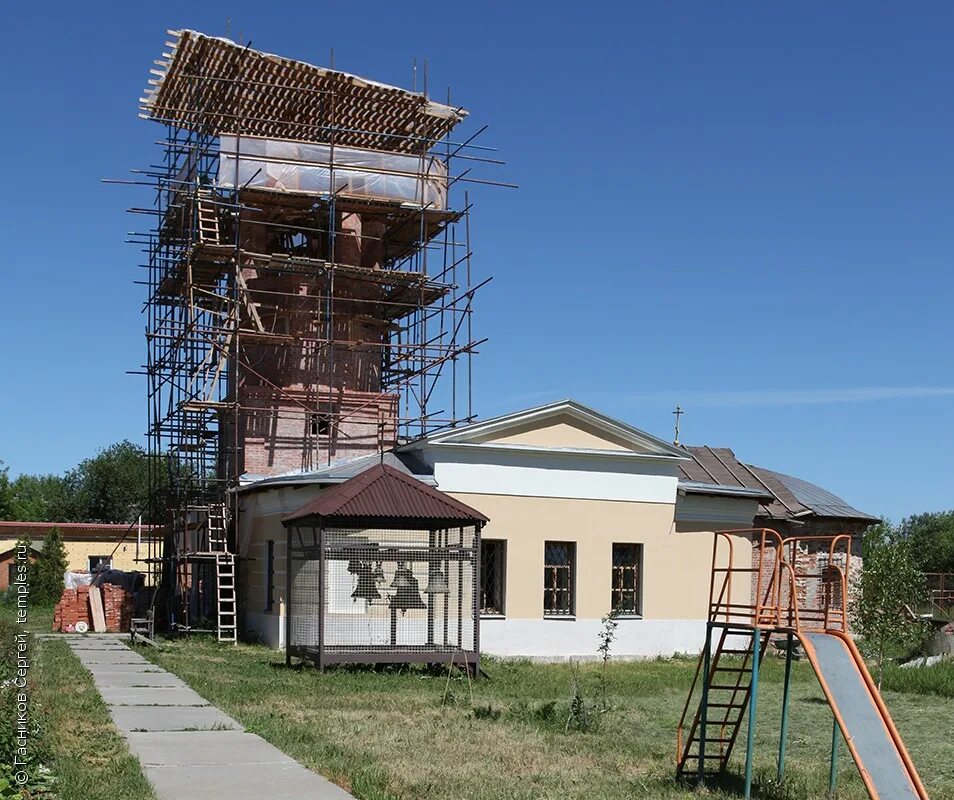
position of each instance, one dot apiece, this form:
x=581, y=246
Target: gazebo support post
x=288, y=603
x=460, y=590
x=475, y=582
x=431, y=540
x=444, y=537
x=321, y=597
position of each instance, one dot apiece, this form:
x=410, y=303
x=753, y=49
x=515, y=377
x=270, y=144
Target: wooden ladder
x=728, y=699
x=218, y=527
x=226, y=623
x=208, y=217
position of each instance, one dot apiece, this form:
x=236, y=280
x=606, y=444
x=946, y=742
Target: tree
x=932, y=540
x=891, y=584
x=6, y=498
x=41, y=498
x=50, y=566
x=113, y=486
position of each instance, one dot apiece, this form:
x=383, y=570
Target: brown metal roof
x=720, y=465
x=70, y=530
x=383, y=493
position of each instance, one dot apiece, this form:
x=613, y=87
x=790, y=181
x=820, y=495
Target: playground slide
x=883, y=761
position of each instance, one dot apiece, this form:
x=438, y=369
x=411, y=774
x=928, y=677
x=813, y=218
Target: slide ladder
x=722, y=707
x=882, y=759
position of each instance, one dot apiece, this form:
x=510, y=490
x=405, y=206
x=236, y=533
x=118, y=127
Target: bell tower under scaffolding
x=310, y=293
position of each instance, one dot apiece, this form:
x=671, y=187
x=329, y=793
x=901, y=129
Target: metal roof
x=820, y=501
x=383, y=493
x=74, y=529
x=789, y=497
x=714, y=489
x=340, y=471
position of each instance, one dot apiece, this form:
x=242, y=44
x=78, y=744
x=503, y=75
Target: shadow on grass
x=814, y=701
x=765, y=785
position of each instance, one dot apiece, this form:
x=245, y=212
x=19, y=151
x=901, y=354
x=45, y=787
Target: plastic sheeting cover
x=73, y=580
x=301, y=167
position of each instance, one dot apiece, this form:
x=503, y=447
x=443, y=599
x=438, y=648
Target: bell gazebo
x=383, y=569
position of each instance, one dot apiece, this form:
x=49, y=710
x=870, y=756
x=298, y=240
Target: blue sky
x=742, y=208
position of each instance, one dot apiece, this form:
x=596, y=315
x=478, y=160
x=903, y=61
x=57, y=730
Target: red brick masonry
x=74, y=607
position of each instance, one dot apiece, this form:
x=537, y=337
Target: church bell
x=407, y=594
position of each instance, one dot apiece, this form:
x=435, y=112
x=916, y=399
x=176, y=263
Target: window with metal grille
x=493, y=560
x=627, y=570
x=559, y=579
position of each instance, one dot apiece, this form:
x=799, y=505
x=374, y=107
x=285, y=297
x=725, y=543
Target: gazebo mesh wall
x=385, y=590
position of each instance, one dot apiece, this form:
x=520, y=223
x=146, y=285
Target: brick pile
x=74, y=607
x=118, y=607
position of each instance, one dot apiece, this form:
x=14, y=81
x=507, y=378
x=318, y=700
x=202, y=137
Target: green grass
x=90, y=758
x=87, y=755
x=385, y=735
x=937, y=680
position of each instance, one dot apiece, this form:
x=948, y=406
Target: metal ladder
x=723, y=705
x=208, y=217
x=226, y=627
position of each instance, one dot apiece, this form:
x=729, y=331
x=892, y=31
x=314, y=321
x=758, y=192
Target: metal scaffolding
x=310, y=290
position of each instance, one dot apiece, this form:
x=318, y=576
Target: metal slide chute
x=875, y=744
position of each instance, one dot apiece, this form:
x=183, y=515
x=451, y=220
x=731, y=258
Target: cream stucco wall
x=78, y=552
x=254, y=614
x=558, y=434
x=676, y=565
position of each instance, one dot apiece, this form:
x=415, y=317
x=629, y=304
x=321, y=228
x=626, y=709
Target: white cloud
x=793, y=397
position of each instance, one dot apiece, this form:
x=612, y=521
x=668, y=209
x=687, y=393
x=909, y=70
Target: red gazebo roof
x=382, y=493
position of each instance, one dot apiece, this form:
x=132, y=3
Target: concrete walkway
x=189, y=750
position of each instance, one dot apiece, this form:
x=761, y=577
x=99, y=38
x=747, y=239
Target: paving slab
x=128, y=680
x=243, y=782
x=151, y=696
x=93, y=644
x=142, y=668
x=171, y=718
x=90, y=657
x=203, y=748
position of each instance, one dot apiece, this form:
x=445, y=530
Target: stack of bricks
x=74, y=607
x=118, y=607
